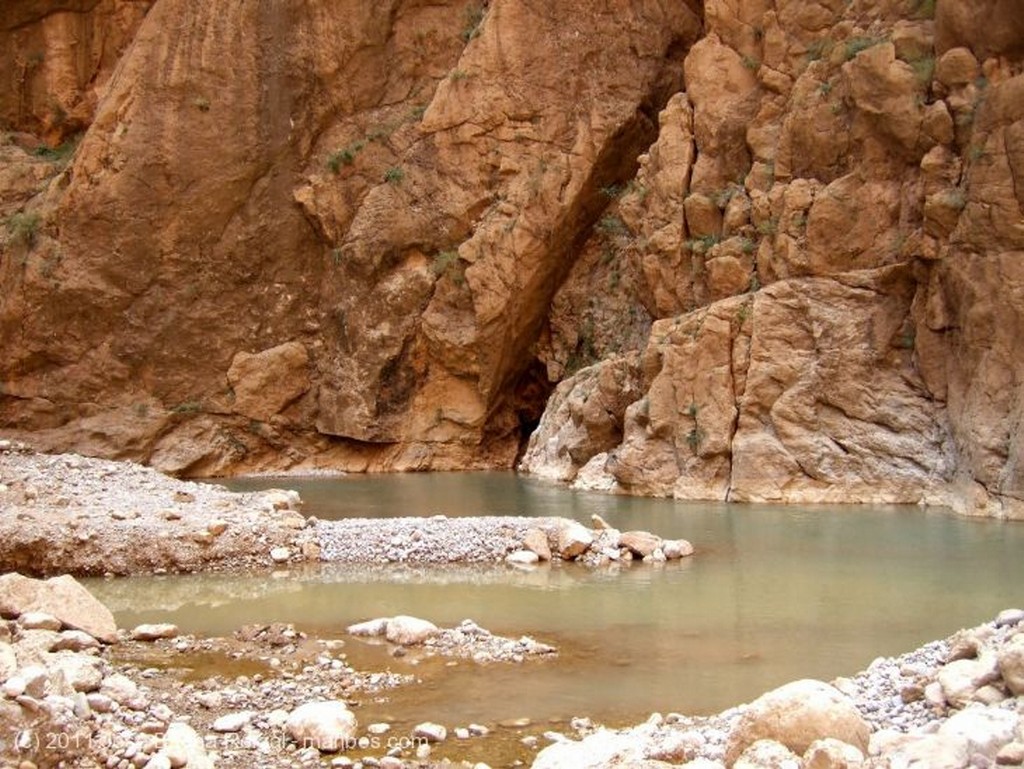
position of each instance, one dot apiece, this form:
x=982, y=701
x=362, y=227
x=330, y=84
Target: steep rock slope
x=375, y=200
x=827, y=234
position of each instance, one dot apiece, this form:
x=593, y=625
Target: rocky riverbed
x=77, y=691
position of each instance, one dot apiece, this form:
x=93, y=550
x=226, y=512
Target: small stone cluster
x=599, y=546
x=466, y=641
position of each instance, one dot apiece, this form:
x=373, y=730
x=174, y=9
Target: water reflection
x=773, y=594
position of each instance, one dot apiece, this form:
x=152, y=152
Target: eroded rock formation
x=377, y=236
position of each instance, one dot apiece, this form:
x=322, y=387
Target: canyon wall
x=739, y=249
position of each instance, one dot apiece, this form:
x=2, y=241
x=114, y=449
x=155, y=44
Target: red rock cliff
x=375, y=236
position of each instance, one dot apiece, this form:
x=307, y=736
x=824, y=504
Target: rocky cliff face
x=376, y=236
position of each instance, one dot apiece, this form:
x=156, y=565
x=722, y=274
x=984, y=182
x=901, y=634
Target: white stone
x=81, y=672
x=119, y=688
x=182, y=741
x=407, y=630
x=232, y=722
x=767, y=754
x=37, y=680
x=39, y=620
x=280, y=554
x=962, y=678
x=1010, y=617
x=100, y=703
x=154, y=632
x=159, y=761
x=573, y=539
x=369, y=628
x=832, y=754
x=522, y=558
x=75, y=641
x=796, y=715
x=931, y=751
x=986, y=730
x=327, y=726
x=378, y=728
x=8, y=661
x=430, y=732
x=676, y=548
x=1011, y=664
x=14, y=687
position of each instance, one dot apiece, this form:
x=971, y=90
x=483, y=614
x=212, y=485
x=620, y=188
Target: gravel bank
x=67, y=514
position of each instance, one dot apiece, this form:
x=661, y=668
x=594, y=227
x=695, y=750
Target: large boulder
x=63, y=597
x=797, y=715
x=410, y=630
x=573, y=539
x=326, y=726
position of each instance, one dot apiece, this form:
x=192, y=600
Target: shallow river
x=773, y=594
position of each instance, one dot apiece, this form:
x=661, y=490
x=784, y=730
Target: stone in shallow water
x=522, y=558
x=573, y=540
x=370, y=628
x=408, y=631
x=430, y=732
x=641, y=543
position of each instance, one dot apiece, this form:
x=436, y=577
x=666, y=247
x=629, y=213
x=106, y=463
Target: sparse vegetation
x=694, y=438
x=768, y=226
x=955, y=199
x=752, y=63
x=925, y=9
x=345, y=156
x=613, y=191
x=924, y=68
x=818, y=49
x=23, y=227
x=825, y=88
x=755, y=283
x=201, y=103
x=855, y=45
x=187, y=407
x=394, y=175
x=747, y=245
x=474, y=16
x=458, y=74
x=703, y=244
x=61, y=153
x=448, y=263
x=336, y=256
x=636, y=188
x=612, y=226
x=723, y=196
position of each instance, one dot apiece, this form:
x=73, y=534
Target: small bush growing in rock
x=22, y=228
